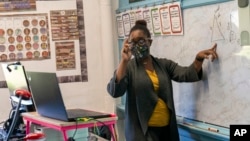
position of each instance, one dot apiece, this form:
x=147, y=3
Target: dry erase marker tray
x=199, y=127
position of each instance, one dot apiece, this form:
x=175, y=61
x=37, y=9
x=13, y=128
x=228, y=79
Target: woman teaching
x=146, y=80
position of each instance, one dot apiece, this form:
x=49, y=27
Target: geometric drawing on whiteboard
x=216, y=29
x=232, y=34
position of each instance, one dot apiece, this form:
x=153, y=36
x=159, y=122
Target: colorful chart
x=24, y=37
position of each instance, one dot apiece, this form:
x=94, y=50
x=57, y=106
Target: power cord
x=86, y=119
x=73, y=137
x=77, y=120
x=105, y=126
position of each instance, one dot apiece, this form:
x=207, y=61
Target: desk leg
x=111, y=128
x=65, y=135
x=27, y=127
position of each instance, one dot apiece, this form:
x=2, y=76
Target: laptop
x=48, y=99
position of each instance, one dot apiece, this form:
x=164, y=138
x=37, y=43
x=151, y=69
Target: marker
x=213, y=129
x=187, y=123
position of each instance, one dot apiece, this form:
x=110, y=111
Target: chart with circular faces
x=35, y=46
x=18, y=31
x=2, y=32
x=26, y=31
x=34, y=31
x=19, y=47
x=35, y=38
x=45, y=54
x=11, y=39
x=10, y=32
x=2, y=48
x=26, y=23
x=12, y=56
x=11, y=48
x=19, y=38
x=3, y=57
x=24, y=37
x=36, y=54
x=43, y=30
x=2, y=40
x=42, y=23
x=44, y=45
x=28, y=46
x=44, y=38
x=27, y=39
x=29, y=55
x=34, y=22
x=19, y=55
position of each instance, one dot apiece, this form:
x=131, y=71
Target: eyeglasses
x=139, y=41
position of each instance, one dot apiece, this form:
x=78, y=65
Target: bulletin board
x=24, y=38
x=50, y=39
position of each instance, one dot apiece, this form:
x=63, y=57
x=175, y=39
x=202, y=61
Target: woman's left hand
x=206, y=54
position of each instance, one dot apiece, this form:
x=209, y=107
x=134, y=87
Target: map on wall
x=222, y=96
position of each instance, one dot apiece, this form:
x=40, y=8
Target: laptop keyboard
x=75, y=114
x=80, y=113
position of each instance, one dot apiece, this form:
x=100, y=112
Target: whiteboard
x=222, y=97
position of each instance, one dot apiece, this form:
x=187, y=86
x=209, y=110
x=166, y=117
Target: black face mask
x=140, y=49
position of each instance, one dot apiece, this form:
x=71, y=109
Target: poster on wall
x=148, y=18
x=120, y=26
x=65, y=55
x=126, y=23
x=79, y=73
x=176, y=19
x=24, y=37
x=163, y=19
x=17, y=5
x=64, y=25
x=156, y=21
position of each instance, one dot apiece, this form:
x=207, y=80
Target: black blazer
x=141, y=98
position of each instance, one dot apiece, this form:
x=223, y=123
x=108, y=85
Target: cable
x=77, y=120
x=72, y=138
x=96, y=130
x=85, y=119
x=105, y=126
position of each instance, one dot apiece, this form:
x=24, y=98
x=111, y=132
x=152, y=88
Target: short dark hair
x=141, y=25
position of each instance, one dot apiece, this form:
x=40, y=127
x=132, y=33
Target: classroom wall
x=99, y=33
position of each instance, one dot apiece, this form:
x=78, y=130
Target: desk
x=62, y=126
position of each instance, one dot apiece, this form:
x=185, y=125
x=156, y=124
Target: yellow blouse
x=160, y=116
